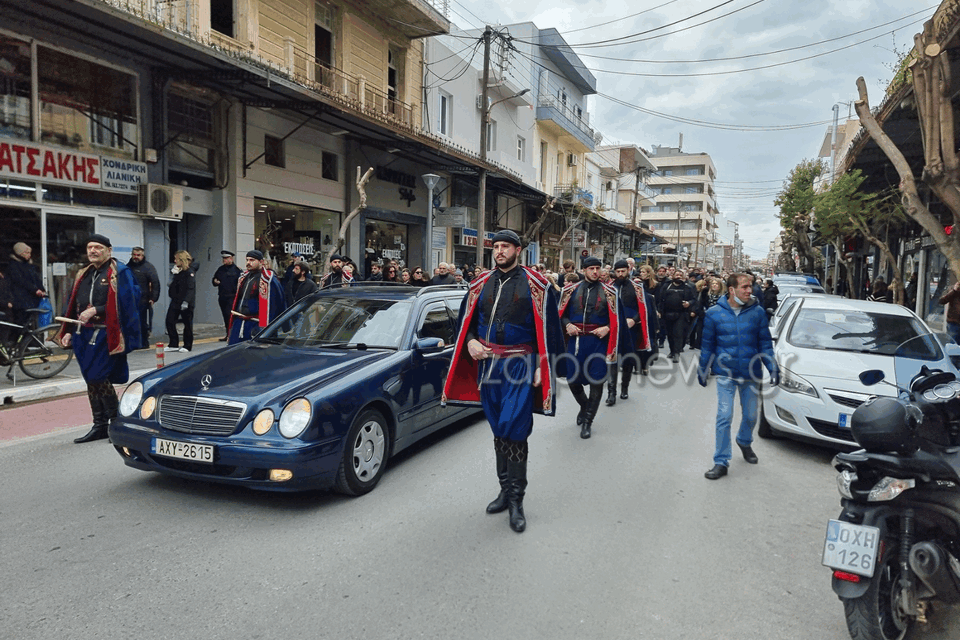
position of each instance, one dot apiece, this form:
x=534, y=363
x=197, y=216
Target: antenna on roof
x=680, y=144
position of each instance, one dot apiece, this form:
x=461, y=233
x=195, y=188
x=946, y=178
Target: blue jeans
x=953, y=329
x=749, y=407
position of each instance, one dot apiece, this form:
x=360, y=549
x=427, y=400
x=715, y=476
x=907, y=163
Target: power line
x=632, y=15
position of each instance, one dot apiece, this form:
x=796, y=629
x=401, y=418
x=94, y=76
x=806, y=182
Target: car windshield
x=341, y=321
x=858, y=331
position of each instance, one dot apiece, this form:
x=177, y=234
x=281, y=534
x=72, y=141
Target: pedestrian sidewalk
x=206, y=337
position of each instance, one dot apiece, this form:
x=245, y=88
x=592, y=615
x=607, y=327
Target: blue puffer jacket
x=736, y=346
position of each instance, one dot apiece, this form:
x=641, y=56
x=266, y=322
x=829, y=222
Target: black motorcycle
x=894, y=549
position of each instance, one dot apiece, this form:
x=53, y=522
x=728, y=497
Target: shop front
x=282, y=229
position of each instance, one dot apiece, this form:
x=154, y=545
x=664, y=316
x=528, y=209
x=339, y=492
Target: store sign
x=439, y=238
x=306, y=248
x=450, y=217
x=468, y=238
x=579, y=237
x=32, y=162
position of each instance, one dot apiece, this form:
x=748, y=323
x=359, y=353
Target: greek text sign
x=34, y=162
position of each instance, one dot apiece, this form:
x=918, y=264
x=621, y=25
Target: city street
x=625, y=539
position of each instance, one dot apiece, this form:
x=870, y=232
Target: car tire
x=764, y=430
x=365, y=452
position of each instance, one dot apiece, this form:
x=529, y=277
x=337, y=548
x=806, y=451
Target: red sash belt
x=507, y=350
x=587, y=328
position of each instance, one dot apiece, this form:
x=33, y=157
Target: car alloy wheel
x=364, y=454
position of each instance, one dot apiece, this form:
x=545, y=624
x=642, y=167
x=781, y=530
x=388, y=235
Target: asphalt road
x=625, y=539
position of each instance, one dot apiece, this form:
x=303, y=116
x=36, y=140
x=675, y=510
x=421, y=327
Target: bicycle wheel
x=40, y=356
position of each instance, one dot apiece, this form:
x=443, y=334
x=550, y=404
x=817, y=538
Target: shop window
x=223, y=17
x=282, y=228
x=521, y=149
x=18, y=190
x=273, y=153
x=492, y=136
x=330, y=166
x=385, y=241
x=15, y=120
x=86, y=106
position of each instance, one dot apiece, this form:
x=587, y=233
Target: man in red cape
x=105, y=301
x=259, y=299
x=631, y=297
x=504, y=361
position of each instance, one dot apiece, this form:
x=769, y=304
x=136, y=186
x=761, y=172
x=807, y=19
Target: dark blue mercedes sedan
x=321, y=398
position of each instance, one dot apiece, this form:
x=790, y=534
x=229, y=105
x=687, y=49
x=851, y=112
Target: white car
x=822, y=344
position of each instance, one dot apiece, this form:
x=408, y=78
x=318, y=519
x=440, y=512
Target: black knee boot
x=612, y=385
x=500, y=502
x=593, y=405
x=581, y=398
x=101, y=418
x=625, y=384
x=517, y=481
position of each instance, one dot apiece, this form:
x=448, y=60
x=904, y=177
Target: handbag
x=45, y=318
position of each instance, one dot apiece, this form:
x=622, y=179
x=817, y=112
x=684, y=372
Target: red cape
x=461, y=386
x=116, y=343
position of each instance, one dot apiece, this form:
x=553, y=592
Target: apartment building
x=208, y=124
x=686, y=209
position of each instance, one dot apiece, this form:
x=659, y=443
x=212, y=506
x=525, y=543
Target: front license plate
x=851, y=547
x=182, y=450
x=844, y=421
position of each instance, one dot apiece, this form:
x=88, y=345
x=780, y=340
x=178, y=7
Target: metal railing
x=573, y=194
x=181, y=18
x=568, y=113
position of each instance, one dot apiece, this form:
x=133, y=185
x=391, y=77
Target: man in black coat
x=444, y=277
x=300, y=284
x=149, y=281
x=26, y=285
x=677, y=309
x=225, y=280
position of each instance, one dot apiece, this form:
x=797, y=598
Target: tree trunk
x=887, y=257
x=361, y=183
x=912, y=204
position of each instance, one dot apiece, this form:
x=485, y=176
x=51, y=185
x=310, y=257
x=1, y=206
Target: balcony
x=572, y=194
x=560, y=120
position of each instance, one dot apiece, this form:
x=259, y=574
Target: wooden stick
x=72, y=320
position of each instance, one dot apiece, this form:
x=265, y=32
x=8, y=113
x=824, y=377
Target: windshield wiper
x=270, y=339
x=362, y=346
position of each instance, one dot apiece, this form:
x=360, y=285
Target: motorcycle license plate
x=851, y=547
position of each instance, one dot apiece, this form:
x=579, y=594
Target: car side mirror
x=430, y=345
x=952, y=349
x=871, y=377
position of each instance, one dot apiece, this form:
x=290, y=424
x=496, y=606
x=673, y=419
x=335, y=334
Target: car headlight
x=149, y=406
x=263, y=422
x=131, y=399
x=889, y=488
x=793, y=383
x=295, y=417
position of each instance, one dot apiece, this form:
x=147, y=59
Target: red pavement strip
x=40, y=418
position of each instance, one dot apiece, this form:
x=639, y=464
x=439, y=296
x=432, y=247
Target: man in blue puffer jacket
x=736, y=346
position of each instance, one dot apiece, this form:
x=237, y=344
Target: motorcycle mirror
x=871, y=377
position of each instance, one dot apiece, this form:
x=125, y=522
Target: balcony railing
x=573, y=194
x=568, y=113
x=181, y=18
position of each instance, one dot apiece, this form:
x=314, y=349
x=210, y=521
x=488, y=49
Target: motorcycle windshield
x=911, y=356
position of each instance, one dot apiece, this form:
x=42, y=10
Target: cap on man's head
x=591, y=261
x=227, y=254
x=256, y=255
x=621, y=264
x=297, y=254
x=137, y=249
x=99, y=239
x=506, y=235
x=336, y=256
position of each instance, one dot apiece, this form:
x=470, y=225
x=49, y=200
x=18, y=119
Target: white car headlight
x=295, y=417
x=889, y=488
x=793, y=383
x=131, y=399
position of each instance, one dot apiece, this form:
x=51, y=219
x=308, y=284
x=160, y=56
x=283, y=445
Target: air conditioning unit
x=160, y=201
x=572, y=160
x=480, y=101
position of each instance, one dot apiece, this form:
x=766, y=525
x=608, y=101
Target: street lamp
x=431, y=180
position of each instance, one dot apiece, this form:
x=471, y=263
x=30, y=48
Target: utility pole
x=679, y=206
x=484, y=117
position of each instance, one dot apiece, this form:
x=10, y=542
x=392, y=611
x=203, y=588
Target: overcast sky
x=751, y=165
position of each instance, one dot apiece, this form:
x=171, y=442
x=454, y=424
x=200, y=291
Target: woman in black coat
x=183, y=299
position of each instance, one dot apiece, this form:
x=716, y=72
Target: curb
x=65, y=387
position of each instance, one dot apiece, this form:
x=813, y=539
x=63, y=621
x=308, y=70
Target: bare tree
x=361, y=184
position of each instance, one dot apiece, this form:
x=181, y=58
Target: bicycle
x=34, y=350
